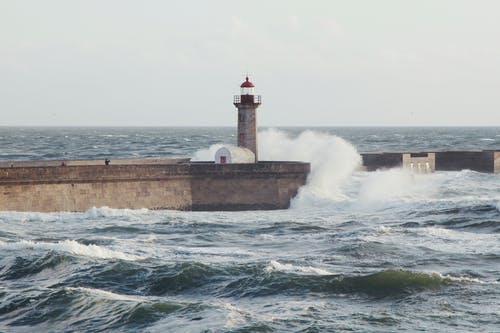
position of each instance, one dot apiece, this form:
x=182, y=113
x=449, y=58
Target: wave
x=19, y=267
x=119, y=295
x=289, y=268
x=105, y=294
x=481, y=217
x=70, y=246
x=335, y=177
x=379, y=284
x=84, y=309
x=332, y=159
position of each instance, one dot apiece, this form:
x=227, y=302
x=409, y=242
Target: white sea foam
x=105, y=211
x=465, y=279
x=105, y=294
x=234, y=316
x=395, y=185
x=25, y=217
x=73, y=247
x=207, y=154
x=289, y=268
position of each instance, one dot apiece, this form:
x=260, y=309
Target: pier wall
x=183, y=186
x=477, y=160
x=265, y=185
x=379, y=160
x=482, y=161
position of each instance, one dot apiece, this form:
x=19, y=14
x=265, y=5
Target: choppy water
x=387, y=251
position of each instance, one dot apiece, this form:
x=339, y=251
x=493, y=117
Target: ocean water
x=387, y=251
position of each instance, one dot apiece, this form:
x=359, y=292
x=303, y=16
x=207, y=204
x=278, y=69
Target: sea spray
x=394, y=185
x=333, y=160
x=207, y=154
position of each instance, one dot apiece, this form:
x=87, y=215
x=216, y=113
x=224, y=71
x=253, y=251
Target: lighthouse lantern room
x=247, y=103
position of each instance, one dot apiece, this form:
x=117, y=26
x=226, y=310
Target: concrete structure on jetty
x=235, y=182
x=422, y=162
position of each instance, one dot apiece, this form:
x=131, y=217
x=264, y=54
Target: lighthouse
x=247, y=103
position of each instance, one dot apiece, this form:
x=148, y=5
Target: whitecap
x=104, y=294
x=465, y=279
x=73, y=247
x=289, y=268
x=234, y=317
x=105, y=211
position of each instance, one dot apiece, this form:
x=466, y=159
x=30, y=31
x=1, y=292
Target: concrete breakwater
x=48, y=186
x=429, y=161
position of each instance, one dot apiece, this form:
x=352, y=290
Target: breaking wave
x=133, y=294
x=383, y=283
x=289, y=268
x=333, y=160
x=72, y=247
x=335, y=175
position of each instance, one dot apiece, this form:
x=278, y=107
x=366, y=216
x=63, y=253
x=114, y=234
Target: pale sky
x=315, y=63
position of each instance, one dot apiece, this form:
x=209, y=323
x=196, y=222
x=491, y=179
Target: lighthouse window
x=246, y=91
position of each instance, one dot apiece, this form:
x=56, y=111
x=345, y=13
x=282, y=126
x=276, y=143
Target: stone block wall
x=247, y=128
x=197, y=186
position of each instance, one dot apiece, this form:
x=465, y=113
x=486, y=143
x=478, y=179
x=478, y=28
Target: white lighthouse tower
x=247, y=103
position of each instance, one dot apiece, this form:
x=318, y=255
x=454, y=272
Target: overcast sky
x=315, y=63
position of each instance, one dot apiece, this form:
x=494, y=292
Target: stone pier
x=428, y=161
x=49, y=186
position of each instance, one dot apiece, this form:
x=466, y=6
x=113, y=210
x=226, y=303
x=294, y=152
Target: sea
x=384, y=251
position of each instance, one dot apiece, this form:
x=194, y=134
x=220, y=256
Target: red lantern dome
x=247, y=84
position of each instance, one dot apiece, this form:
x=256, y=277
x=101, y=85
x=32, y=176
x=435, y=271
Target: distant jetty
x=436, y=160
